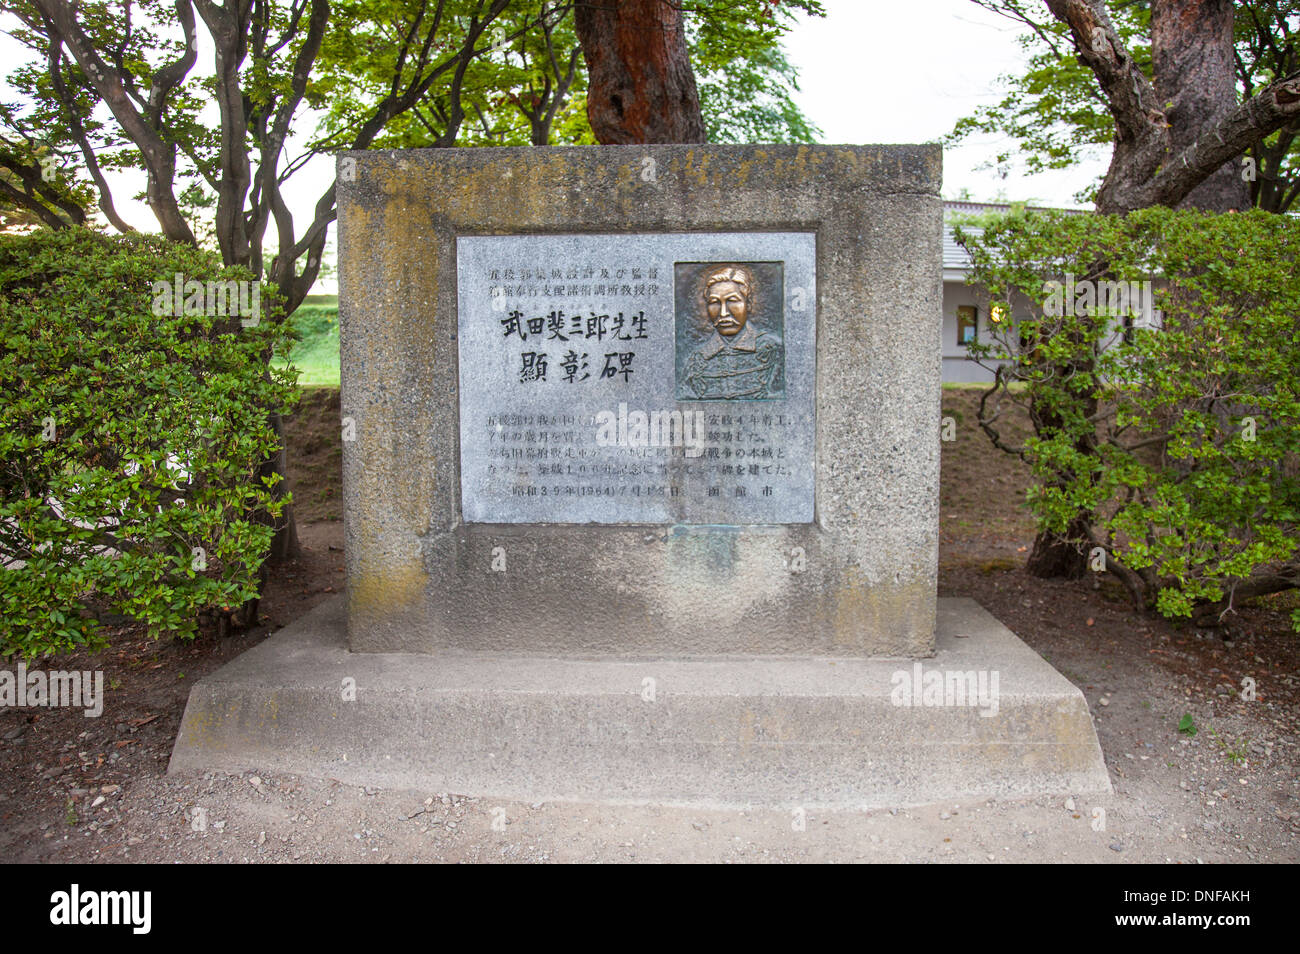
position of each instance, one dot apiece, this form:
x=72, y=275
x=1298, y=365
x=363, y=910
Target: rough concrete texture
x=419, y=578
x=814, y=732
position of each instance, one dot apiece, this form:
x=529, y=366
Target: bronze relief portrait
x=729, y=325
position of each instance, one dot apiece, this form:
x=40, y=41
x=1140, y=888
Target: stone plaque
x=637, y=379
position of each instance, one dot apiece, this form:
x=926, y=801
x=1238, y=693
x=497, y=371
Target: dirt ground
x=78, y=789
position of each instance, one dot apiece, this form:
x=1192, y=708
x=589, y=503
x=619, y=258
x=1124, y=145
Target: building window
x=966, y=324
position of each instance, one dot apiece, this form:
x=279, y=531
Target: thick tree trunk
x=1178, y=141
x=641, y=87
x=1063, y=556
x=1066, y=556
x=1196, y=79
x=1179, y=137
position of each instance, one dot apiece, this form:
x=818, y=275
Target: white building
x=966, y=308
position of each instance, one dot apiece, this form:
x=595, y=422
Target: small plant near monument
x=1236, y=752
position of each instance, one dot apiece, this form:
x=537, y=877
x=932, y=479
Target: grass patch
x=315, y=353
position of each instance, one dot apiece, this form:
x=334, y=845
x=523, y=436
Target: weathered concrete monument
x=484, y=337
x=641, y=472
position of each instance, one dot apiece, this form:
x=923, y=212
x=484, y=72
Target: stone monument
x=502, y=303
x=641, y=470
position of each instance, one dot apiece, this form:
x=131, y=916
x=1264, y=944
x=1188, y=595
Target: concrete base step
x=770, y=731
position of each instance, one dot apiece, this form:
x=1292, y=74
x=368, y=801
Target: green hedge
x=1179, y=447
x=131, y=441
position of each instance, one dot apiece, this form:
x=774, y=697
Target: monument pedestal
x=773, y=731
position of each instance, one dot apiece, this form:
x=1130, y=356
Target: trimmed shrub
x=1176, y=443
x=133, y=435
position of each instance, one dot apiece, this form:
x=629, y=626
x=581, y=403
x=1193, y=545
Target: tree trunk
x=1179, y=136
x=1060, y=558
x=1056, y=557
x=1196, y=79
x=285, y=544
x=641, y=88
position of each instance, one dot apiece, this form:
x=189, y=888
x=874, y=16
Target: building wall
x=957, y=366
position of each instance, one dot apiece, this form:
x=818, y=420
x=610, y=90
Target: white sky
x=870, y=71
x=883, y=72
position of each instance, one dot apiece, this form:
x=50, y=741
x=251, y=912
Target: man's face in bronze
x=728, y=308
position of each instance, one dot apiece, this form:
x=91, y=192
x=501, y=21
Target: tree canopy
x=109, y=86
